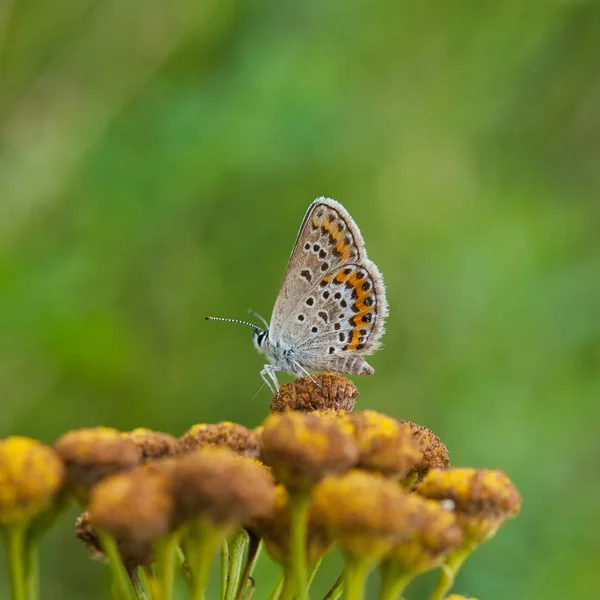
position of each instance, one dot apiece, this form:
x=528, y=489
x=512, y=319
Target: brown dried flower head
x=385, y=445
x=324, y=391
x=365, y=513
x=303, y=448
x=92, y=454
x=483, y=498
x=434, y=454
x=220, y=487
x=437, y=533
x=153, y=444
x=31, y=474
x=274, y=529
x=135, y=508
x=236, y=437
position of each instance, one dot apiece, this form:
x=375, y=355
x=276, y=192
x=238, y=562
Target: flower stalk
x=32, y=570
x=203, y=542
x=299, y=505
x=121, y=581
x=14, y=540
x=450, y=570
x=355, y=577
x=393, y=581
x=166, y=552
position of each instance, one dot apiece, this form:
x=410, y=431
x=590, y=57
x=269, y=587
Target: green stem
x=276, y=593
x=254, y=548
x=299, y=505
x=144, y=581
x=224, y=563
x=287, y=587
x=121, y=581
x=35, y=531
x=450, y=569
x=200, y=550
x=237, y=544
x=336, y=590
x=32, y=570
x=166, y=551
x=355, y=577
x=140, y=592
x=393, y=581
x=14, y=540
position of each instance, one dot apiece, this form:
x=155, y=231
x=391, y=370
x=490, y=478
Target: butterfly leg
x=270, y=379
x=303, y=370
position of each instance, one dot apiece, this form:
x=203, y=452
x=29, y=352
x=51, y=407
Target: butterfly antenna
x=254, y=314
x=233, y=321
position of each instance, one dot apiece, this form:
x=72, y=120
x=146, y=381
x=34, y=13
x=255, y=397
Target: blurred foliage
x=156, y=159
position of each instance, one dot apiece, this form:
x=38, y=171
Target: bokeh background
x=156, y=159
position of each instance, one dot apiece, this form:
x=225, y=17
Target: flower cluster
x=314, y=475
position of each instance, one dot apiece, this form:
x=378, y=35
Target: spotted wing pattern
x=332, y=305
x=328, y=238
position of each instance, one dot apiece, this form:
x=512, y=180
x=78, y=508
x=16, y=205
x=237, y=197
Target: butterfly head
x=259, y=338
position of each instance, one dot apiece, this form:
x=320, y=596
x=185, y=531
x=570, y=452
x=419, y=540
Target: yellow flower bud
x=31, y=474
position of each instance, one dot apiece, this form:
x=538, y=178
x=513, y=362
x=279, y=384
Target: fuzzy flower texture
x=314, y=475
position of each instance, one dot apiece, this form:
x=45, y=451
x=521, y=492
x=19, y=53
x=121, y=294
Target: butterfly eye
x=260, y=338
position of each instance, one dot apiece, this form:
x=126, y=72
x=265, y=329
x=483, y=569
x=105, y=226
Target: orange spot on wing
x=341, y=276
x=343, y=249
x=353, y=341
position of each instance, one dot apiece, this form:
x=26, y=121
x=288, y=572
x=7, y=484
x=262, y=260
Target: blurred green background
x=156, y=159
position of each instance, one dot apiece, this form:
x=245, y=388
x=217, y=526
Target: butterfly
x=331, y=306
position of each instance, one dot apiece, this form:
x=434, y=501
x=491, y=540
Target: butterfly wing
x=331, y=306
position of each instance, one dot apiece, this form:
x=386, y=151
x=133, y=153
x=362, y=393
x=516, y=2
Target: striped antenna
x=234, y=321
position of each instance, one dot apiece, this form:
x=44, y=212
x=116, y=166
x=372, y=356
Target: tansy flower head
x=90, y=455
x=324, y=391
x=226, y=434
x=135, y=508
x=434, y=454
x=384, y=444
x=436, y=534
x=31, y=474
x=483, y=498
x=458, y=597
x=153, y=444
x=303, y=448
x=220, y=487
x=365, y=513
x=274, y=529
